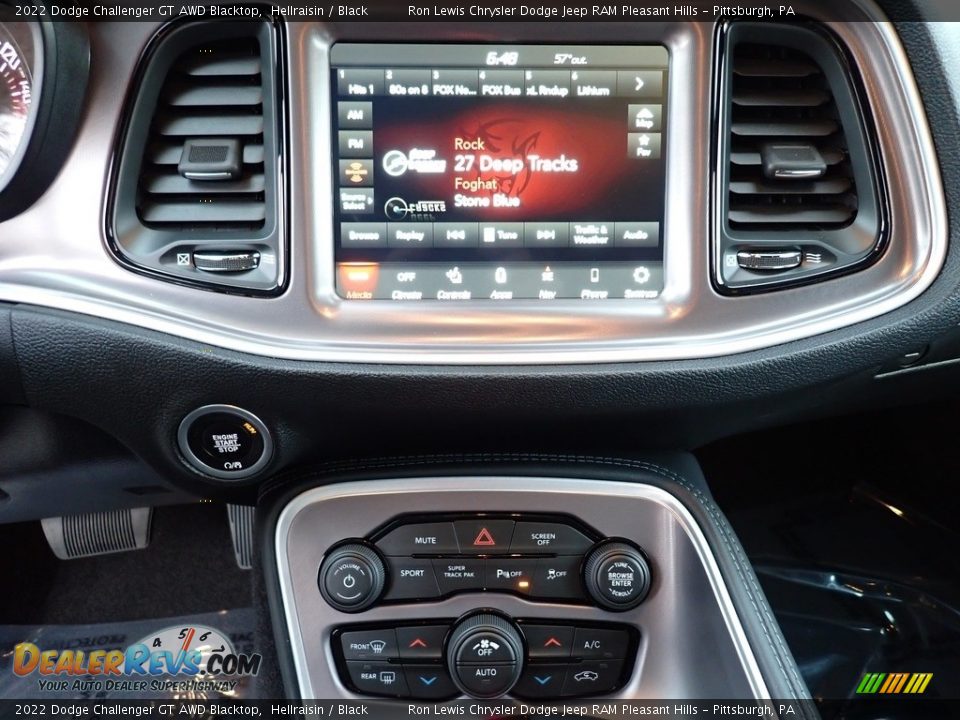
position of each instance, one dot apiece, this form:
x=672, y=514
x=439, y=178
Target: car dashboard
x=445, y=309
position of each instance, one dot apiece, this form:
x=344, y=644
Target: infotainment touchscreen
x=478, y=172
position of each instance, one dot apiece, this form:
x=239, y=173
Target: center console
x=529, y=587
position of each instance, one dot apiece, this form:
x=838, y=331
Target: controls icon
x=455, y=276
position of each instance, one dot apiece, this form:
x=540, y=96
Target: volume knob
x=352, y=577
x=617, y=576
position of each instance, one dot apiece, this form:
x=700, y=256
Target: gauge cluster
x=44, y=68
x=16, y=89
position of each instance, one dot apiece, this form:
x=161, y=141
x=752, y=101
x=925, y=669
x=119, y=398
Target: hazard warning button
x=484, y=537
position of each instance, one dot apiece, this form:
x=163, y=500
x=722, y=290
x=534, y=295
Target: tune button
x=617, y=575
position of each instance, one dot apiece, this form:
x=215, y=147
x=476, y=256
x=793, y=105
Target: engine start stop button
x=225, y=442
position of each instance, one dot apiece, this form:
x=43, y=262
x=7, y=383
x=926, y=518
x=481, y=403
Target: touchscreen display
x=475, y=172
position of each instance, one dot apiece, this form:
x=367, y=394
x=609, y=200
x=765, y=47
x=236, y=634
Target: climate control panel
x=545, y=558
x=485, y=654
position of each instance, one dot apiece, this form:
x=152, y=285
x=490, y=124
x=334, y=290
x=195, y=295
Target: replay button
x=225, y=442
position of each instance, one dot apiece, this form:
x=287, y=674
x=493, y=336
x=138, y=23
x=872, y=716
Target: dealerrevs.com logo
x=203, y=655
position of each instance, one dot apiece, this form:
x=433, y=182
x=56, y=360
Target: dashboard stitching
x=752, y=587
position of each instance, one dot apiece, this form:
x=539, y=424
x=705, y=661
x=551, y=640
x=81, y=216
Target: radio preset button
x=360, y=82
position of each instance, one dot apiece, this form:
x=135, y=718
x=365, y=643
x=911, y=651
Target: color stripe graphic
x=894, y=683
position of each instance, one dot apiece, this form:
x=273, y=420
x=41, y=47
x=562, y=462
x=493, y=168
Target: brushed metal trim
x=514, y=494
x=65, y=265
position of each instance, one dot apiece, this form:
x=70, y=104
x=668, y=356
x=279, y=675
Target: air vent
x=799, y=196
x=198, y=182
x=213, y=93
x=782, y=107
